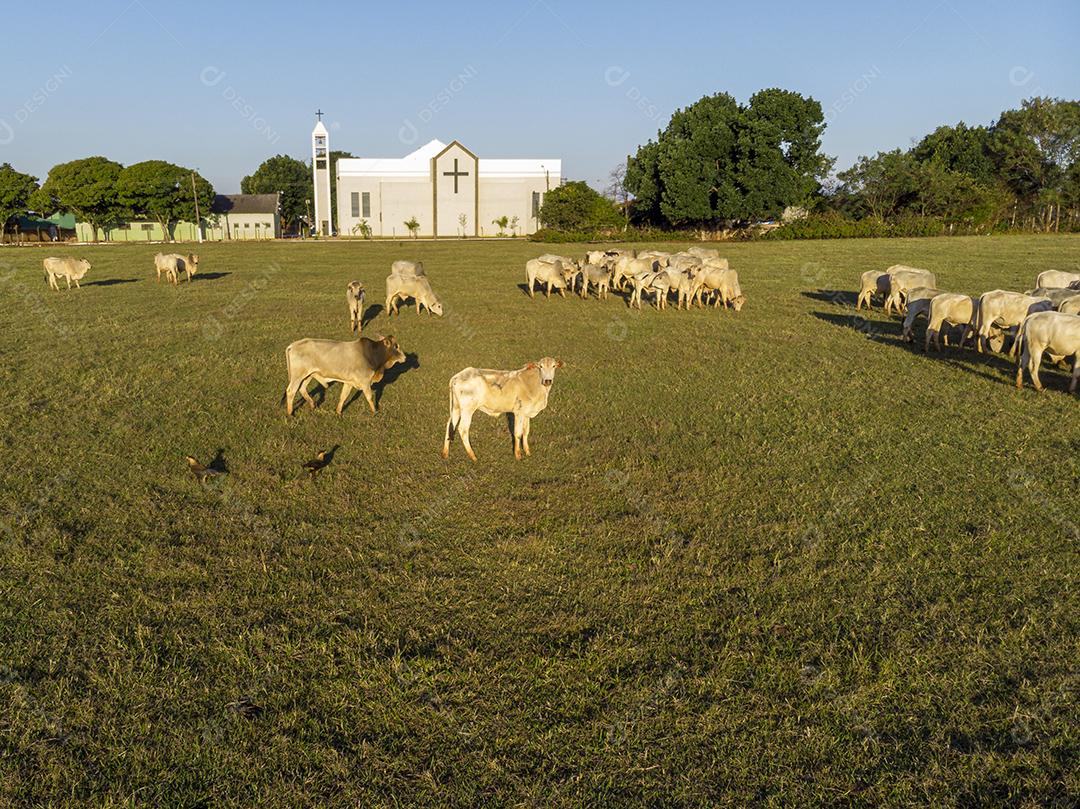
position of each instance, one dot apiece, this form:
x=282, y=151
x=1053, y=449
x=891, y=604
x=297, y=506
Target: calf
x=1052, y=332
x=354, y=297
x=172, y=264
x=599, y=276
x=400, y=288
x=355, y=364
x=523, y=392
x=1006, y=310
x=954, y=310
x=71, y=269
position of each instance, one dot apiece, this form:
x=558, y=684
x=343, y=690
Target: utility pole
x=198, y=219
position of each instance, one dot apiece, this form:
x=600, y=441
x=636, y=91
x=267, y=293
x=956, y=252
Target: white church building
x=447, y=189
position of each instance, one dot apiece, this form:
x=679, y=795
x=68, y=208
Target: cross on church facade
x=455, y=174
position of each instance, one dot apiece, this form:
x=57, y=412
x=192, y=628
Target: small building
x=245, y=217
x=30, y=227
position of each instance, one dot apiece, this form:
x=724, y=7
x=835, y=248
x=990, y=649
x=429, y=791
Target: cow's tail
x=451, y=422
x=288, y=367
x=1021, y=333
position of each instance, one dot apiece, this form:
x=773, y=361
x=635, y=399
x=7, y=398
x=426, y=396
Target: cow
x=708, y=254
x=400, y=288
x=1048, y=332
x=354, y=297
x=872, y=282
x=71, y=269
x=1056, y=279
x=1057, y=294
x=570, y=268
x=1005, y=309
x=1071, y=306
x=172, y=264
x=918, y=304
x=523, y=392
x=954, y=310
x=599, y=276
x=354, y=363
x=724, y=282
x=553, y=275
x=901, y=279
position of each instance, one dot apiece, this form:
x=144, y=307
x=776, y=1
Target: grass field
x=768, y=558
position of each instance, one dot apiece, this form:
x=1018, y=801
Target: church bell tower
x=320, y=169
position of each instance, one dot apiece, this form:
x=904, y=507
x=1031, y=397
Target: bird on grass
x=316, y=464
x=200, y=471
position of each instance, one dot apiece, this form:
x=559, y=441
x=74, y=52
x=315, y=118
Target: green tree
x=961, y=148
x=719, y=161
x=577, y=206
x=883, y=184
x=155, y=189
x=287, y=175
x=85, y=188
x=16, y=189
x=413, y=226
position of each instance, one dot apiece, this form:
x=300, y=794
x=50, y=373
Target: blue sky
x=221, y=86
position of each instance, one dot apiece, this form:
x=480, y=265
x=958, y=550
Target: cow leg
x=304, y=392
x=346, y=391
x=77, y=284
x=455, y=415
x=464, y=422
x=1033, y=366
x=525, y=436
x=290, y=394
x=1075, y=373
x=519, y=428
x=68, y=277
x=366, y=390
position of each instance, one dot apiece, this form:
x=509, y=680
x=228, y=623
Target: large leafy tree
x=961, y=148
x=86, y=188
x=156, y=189
x=577, y=206
x=719, y=161
x=16, y=189
x=287, y=175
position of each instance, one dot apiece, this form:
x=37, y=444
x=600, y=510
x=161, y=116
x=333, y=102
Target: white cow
x=1048, y=332
x=872, y=282
x=354, y=297
x=523, y=392
x=1005, y=309
x=554, y=275
x=172, y=264
x=918, y=303
x=724, y=282
x=1056, y=278
x=71, y=269
x=400, y=288
x=597, y=275
x=901, y=279
x=954, y=310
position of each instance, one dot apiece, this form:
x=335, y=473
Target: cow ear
x=558, y=363
x=530, y=366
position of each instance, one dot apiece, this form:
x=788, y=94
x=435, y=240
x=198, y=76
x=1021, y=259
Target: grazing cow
x=354, y=363
x=724, y=282
x=400, y=288
x=1056, y=279
x=570, y=268
x=1006, y=310
x=872, y=282
x=621, y=271
x=523, y=392
x=599, y=276
x=1052, y=332
x=354, y=297
x=554, y=275
x=640, y=272
x=172, y=264
x=659, y=256
x=71, y=269
x=918, y=305
x=901, y=279
x=951, y=309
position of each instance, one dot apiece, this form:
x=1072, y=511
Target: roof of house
x=418, y=164
x=245, y=203
x=31, y=221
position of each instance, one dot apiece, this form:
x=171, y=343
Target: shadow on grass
x=411, y=361
x=989, y=366
x=219, y=464
x=841, y=297
x=370, y=313
x=209, y=276
x=109, y=282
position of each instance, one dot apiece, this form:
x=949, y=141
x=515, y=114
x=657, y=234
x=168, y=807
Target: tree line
x=719, y=164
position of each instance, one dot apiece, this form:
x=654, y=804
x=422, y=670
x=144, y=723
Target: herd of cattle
x=691, y=275
x=1042, y=321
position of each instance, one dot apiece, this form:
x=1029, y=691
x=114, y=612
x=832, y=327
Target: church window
x=367, y=204
x=354, y=199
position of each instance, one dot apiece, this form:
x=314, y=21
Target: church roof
x=418, y=164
